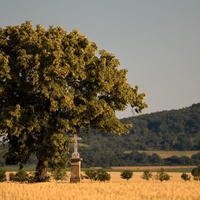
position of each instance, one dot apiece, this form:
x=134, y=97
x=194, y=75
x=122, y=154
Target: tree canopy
x=53, y=83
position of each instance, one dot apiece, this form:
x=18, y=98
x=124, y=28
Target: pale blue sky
x=158, y=41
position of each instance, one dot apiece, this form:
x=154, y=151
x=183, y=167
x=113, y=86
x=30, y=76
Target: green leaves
x=60, y=148
x=4, y=68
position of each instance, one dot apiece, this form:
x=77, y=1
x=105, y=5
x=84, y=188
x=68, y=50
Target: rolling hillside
x=167, y=130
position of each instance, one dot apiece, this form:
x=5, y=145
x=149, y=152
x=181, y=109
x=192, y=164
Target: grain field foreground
x=116, y=189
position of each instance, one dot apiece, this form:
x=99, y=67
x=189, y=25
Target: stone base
x=75, y=180
x=75, y=170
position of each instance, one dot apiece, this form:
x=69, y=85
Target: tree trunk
x=41, y=170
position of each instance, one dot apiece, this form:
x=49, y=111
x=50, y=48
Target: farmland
x=186, y=169
x=116, y=188
x=167, y=154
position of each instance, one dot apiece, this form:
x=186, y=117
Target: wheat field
x=116, y=189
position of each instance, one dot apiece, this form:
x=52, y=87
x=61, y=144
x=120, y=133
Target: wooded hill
x=165, y=130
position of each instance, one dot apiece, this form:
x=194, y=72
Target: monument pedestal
x=75, y=170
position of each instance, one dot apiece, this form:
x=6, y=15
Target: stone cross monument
x=75, y=154
x=75, y=162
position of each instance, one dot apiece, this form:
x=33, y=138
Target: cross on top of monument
x=75, y=154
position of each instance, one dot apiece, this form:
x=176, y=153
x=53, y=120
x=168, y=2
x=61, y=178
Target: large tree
x=53, y=83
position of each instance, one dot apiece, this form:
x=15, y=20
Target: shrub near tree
x=97, y=175
x=126, y=174
x=146, y=175
x=162, y=175
x=103, y=175
x=2, y=175
x=20, y=176
x=12, y=177
x=196, y=173
x=185, y=177
x=90, y=174
x=59, y=173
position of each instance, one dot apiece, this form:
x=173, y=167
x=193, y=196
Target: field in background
x=179, y=169
x=167, y=154
x=115, y=189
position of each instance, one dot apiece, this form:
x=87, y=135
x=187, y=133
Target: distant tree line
x=141, y=159
x=135, y=158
